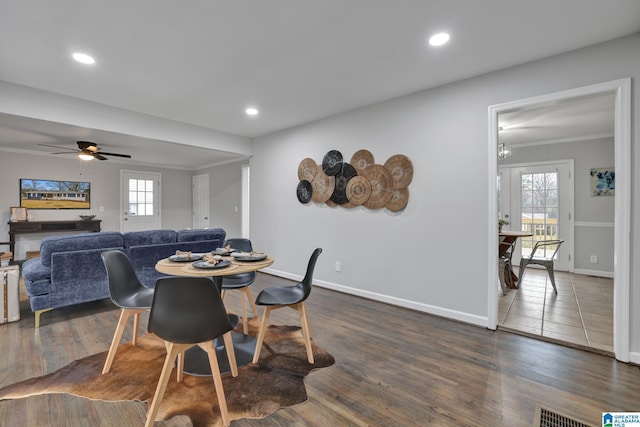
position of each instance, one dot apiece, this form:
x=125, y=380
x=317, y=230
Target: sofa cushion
x=144, y=258
x=150, y=237
x=78, y=242
x=201, y=234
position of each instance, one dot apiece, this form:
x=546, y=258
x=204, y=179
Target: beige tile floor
x=581, y=315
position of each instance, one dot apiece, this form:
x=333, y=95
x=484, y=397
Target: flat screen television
x=50, y=194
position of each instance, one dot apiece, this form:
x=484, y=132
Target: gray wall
x=225, y=187
x=105, y=183
x=430, y=257
x=593, y=216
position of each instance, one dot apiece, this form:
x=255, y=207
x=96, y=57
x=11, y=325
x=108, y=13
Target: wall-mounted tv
x=49, y=194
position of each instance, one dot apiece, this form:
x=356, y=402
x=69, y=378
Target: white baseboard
x=425, y=308
x=596, y=273
x=634, y=357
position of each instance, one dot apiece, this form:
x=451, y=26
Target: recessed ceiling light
x=251, y=111
x=438, y=39
x=83, y=58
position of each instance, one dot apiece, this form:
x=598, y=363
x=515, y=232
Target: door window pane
x=141, y=197
x=539, y=208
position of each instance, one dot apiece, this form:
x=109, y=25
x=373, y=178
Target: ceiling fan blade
x=72, y=150
x=65, y=152
x=116, y=154
x=98, y=156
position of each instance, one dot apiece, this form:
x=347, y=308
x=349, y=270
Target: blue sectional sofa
x=70, y=270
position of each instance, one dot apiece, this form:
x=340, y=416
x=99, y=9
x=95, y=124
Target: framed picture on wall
x=18, y=214
x=603, y=182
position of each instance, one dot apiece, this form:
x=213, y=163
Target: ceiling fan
x=87, y=151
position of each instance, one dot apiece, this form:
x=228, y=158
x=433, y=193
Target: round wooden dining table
x=196, y=361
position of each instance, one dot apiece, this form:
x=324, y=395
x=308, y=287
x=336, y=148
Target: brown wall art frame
x=360, y=182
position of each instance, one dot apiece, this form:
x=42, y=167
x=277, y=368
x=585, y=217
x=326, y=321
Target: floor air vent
x=548, y=418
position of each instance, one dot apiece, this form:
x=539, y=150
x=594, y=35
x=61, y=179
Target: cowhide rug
x=276, y=381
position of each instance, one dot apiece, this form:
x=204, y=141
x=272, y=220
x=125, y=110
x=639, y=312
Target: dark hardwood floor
x=394, y=367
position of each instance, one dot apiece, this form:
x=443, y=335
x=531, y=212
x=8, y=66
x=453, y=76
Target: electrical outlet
x=338, y=266
x=593, y=259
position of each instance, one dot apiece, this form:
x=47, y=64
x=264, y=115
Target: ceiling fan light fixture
x=251, y=111
x=85, y=156
x=504, y=152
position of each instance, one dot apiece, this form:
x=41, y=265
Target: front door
x=140, y=201
x=540, y=201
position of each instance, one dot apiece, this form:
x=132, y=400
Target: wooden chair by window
x=542, y=254
x=505, y=267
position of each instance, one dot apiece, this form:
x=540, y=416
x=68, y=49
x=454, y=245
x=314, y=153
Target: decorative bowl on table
x=87, y=217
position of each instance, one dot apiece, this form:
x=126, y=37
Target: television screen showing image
x=49, y=194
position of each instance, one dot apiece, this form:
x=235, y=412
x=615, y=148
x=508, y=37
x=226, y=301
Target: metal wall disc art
x=398, y=200
x=381, y=186
x=323, y=186
x=332, y=163
x=401, y=170
x=307, y=169
x=361, y=159
x=361, y=182
x=339, y=195
x=304, y=191
x=358, y=190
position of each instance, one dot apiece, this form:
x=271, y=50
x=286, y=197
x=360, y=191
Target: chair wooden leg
x=217, y=379
x=222, y=294
x=117, y=336
x=245, y=321
x=180, y=367
x=136, y=322
x=247, y=292
x=174, y=350
x=263, y=329
x=231, y=354
x=306, y=331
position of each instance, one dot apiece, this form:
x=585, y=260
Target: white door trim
x=246, y=189
x=622, y=230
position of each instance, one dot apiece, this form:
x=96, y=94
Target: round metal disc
x=361, y=159
x=304, y=191
x=323, y=186
x=358, y=190
x=339, y=195
x=381, y=183
x=401, y=170
x=398, y=200
x=332, y=163
x=307, y=169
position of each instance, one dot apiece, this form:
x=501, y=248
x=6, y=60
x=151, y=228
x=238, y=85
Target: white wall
x=104, y=177
x=432, y=255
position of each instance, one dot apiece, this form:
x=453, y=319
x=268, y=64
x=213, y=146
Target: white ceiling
x=202, y=62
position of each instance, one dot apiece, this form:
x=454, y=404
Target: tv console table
x=28, y=227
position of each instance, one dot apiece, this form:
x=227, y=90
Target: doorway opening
x=621, y=90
